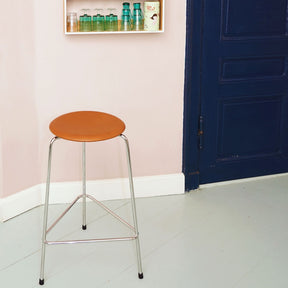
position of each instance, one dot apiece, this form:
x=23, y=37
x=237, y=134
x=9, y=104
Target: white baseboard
x=244, y=180
x=110, y=189
x=20, y=202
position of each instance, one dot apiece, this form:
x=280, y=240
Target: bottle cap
x=87, y=18
x=137, y=5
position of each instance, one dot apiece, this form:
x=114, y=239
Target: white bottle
x=151, y=15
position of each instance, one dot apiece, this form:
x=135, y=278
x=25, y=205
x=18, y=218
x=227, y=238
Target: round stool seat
x=87, y=126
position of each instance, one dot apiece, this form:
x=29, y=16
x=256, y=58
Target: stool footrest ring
x=90, y=240
x=97, y=202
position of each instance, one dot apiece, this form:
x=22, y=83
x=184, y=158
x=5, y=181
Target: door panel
x=254, y=18
x=243, y=134
x=252, y=68
x=243, y=89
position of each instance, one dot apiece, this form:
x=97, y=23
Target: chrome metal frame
x=84, y=197
x=84, y=185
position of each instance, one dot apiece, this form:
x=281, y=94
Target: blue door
x=236, y=88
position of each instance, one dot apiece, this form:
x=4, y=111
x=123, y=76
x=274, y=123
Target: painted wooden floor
x=226, y=236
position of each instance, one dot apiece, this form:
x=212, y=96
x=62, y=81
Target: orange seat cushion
x=87, y=126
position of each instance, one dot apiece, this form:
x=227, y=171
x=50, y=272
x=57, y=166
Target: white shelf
x=114, y=32
x=76, y=5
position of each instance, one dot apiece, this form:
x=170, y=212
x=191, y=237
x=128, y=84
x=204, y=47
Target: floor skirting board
x=244, y=180
x=109, y=189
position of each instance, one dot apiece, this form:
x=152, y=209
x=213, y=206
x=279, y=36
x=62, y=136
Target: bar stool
x=88, y=126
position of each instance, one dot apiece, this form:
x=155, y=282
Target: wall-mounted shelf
x=77, y=5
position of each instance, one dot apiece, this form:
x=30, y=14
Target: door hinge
x=200, y=132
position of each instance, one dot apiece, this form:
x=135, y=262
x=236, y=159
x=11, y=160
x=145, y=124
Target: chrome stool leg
x=133, y=204
x=84, y=196
x=41, y=279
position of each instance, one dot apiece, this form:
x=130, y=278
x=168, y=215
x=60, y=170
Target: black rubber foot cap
x=84, y=227
x=41, y=281
x=140, y=275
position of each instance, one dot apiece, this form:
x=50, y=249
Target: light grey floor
x=229, y=236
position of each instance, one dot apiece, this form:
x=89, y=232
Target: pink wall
x=139, y=78
x=19, y=165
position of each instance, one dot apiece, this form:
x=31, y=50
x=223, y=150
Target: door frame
x=192, y=92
